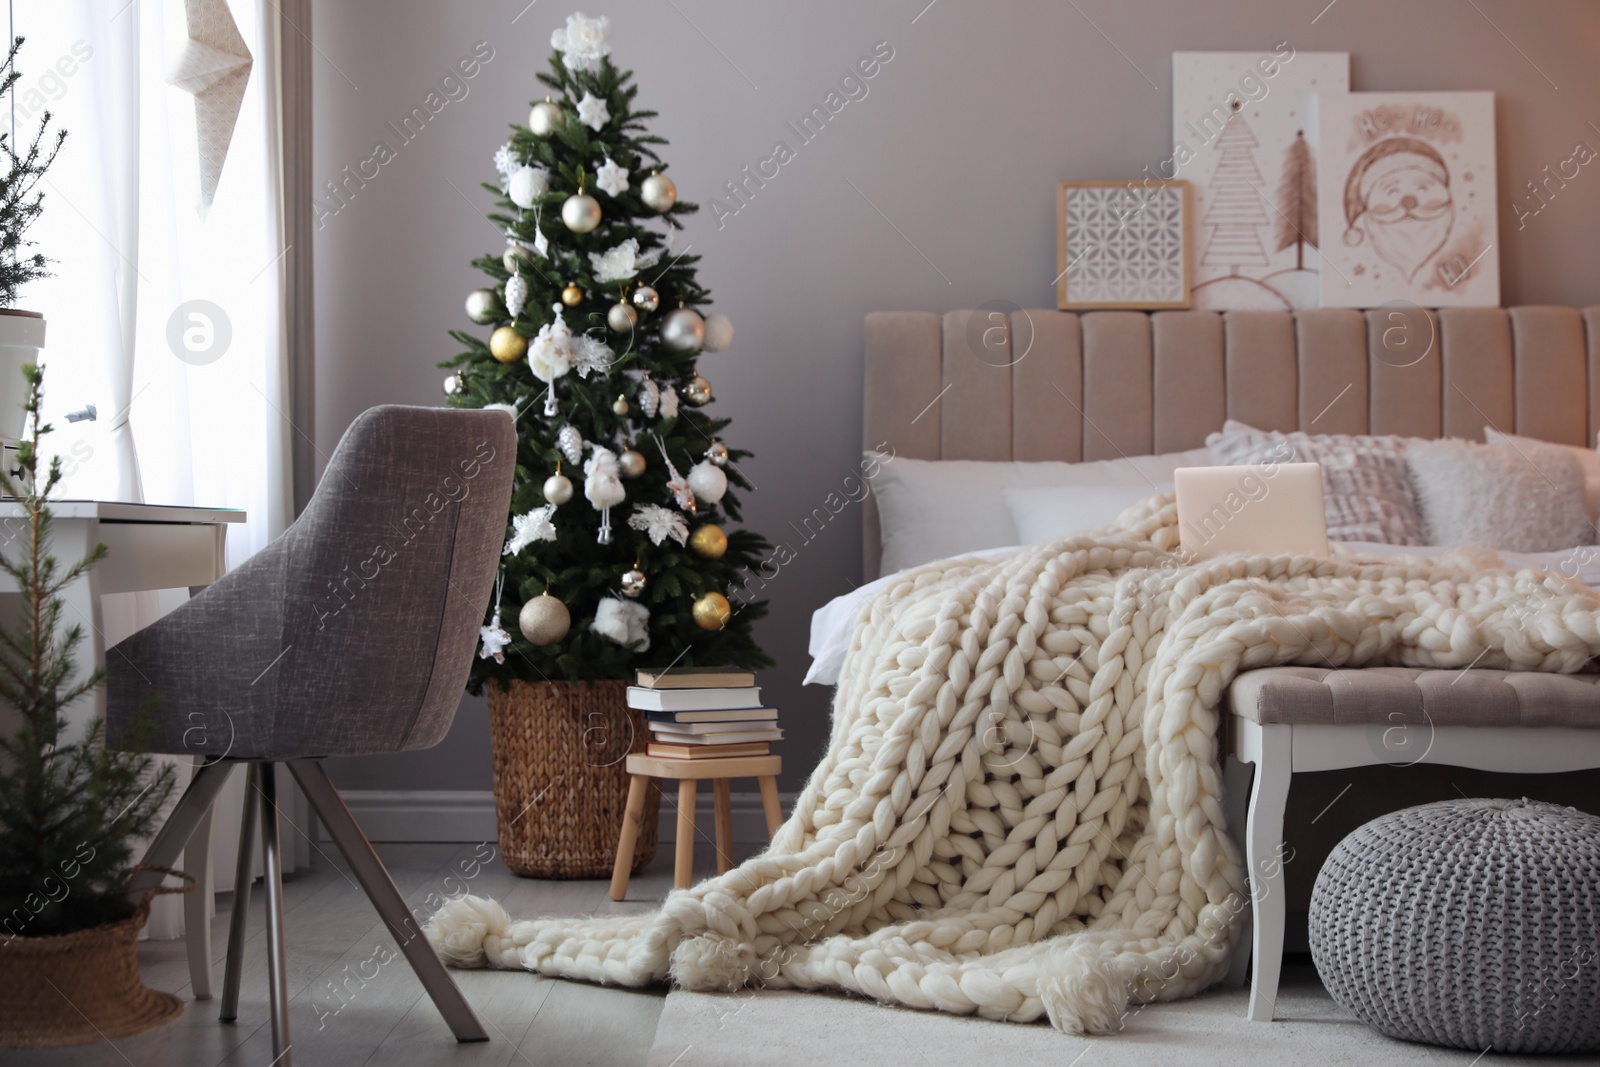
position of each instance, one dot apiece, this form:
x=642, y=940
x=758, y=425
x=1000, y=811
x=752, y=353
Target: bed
x=1043, y=385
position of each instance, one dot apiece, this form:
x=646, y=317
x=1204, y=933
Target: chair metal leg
x=197, y=907
x=174, y=834
x=277, y=970
x=391, y=906
x=242, y=872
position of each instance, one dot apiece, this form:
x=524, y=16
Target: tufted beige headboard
x=1056, y=385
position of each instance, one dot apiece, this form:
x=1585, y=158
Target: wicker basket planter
x=82, y=987
x=560, y=781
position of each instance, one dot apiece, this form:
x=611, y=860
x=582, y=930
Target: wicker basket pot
x=82, y=987
x=560, y=777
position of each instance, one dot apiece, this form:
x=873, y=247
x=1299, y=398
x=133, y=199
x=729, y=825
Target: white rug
x=784, y=1028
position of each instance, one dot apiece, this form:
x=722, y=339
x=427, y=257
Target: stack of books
x=704, y=713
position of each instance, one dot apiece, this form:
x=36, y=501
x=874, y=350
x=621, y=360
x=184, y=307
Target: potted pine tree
x=21, y=201
x=617, y=556
x=71, y=810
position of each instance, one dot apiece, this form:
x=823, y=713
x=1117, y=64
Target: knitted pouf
x=1470, y=923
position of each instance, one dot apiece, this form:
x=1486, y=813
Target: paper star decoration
x=593, y=112
x=611, y=178
x=213, y=65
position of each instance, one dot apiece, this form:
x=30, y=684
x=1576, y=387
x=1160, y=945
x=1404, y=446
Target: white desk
x=148, y=546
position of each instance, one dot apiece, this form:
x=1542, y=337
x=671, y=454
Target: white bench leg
x=1235, y=802
x=1263, y=851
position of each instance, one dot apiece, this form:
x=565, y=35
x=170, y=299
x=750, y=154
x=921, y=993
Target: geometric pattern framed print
x=1408, y=209
x=1244, y=132
x=1122, y=244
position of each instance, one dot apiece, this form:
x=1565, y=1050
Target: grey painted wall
x=934, y=191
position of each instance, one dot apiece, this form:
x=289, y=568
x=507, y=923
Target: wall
x=933, y=192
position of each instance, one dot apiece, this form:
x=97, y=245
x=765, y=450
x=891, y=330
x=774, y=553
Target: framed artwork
x=1244, y=135
x=1408, y=212
x=1122, y=244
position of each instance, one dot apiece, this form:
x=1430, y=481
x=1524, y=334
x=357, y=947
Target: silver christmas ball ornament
x=718, y=453
x=483, y=306
x=622, y=318
x=544, y=620
x=454, y=384
x=659, y=192
x=581, y=212
x=646, y=299
x=558, y=489
x=698, y=391
x=633, y=582
x=516, y=256
x=546, y=118
x=719, y=332
x=631, y=462
x=683, y=330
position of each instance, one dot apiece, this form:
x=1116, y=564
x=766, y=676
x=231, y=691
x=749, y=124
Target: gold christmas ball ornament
x=631, y=463
x=633, y=582
x=698, y=391
x=718, y=453
x=546, y=118
x=454, y=384
x=712, y=611
x=659, y=192
x=572, y=296
x=622, y=318
x=646, y=299
x=558, y=489
x=619, y=406
x=516, y=257
x=683, y=330
x=581, y=212
x=544, y=620
x=483, y=306
x=708, y=541
x=507, y=345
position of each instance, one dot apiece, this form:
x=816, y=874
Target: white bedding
x=834, y=622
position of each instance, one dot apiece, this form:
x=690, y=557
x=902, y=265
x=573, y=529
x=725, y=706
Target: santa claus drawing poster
x=1407, y=199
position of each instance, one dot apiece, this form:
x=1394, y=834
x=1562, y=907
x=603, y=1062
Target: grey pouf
x=1469, y=923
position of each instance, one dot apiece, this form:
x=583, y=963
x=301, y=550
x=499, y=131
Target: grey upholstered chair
x=352, y=634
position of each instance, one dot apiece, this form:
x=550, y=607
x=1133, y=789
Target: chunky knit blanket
x=1020, y=809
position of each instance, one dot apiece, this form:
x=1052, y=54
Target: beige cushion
x=1375, y=695
x=1526, y=497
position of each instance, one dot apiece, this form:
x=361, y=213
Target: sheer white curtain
x=177, y=423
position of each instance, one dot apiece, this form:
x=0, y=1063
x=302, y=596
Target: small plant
x=21, y=200
x=69, y=812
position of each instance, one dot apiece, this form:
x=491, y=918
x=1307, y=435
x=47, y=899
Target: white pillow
x=1588, y=459
x=934, y=509
x=1048, y=513
x=1527, y=498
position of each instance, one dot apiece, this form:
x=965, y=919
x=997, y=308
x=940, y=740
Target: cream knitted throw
x=1019, y=812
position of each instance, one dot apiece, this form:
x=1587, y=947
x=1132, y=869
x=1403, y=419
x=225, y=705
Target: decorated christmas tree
x=618, y=550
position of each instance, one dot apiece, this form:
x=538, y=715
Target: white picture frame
x=1244, y=135
x=1409, y=213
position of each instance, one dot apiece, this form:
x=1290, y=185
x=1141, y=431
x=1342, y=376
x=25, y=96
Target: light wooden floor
x=340, y=1016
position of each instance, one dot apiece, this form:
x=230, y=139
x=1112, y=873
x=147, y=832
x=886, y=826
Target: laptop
x=1264, y=509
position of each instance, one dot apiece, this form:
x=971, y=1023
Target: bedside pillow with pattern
x=1366, y=486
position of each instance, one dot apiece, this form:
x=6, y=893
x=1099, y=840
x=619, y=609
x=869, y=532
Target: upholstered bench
x=1288, y=719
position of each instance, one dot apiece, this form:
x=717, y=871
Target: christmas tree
x=616, y=555
x=1297, y=200
x=1236, y=211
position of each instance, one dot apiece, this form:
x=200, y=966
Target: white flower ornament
x=583, y=42
x=611, y=178
x=593, y=112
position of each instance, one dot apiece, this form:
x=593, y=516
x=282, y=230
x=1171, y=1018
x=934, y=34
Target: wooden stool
x=688, y=772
